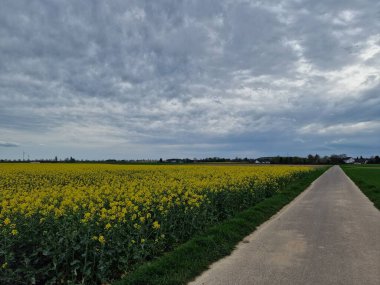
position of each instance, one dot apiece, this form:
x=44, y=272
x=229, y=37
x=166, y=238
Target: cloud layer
x=129, y=79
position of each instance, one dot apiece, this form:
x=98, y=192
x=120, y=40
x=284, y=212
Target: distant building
x=264, y=160
x=174, y=160
x=349, y=160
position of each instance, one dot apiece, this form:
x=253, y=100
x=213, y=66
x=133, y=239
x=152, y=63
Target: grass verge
x=367, y=178
x=193, y=257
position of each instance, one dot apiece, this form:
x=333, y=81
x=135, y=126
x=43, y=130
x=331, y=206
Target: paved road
x=329, y=235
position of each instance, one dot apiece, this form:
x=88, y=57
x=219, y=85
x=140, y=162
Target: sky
x=149, y=79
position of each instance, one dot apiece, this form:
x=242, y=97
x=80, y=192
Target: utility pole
x=23, y=155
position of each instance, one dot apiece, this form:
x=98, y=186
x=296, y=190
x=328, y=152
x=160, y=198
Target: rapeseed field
x=92, y=223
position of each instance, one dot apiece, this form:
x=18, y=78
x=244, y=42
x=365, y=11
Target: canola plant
x=91, y=223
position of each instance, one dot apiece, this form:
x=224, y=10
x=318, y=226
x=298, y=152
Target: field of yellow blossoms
x=91, y=223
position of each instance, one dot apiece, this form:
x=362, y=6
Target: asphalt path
x=330, y=234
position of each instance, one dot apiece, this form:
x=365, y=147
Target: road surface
x=330, y=234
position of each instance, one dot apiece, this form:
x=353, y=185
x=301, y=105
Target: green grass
x=193, y=257
x=367, y=178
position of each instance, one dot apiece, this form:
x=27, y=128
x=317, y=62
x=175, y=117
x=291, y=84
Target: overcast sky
x=150, y=79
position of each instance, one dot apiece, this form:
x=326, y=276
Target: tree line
x=310, y=159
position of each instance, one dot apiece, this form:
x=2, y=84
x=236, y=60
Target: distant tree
x=337, y=158
x=71, y=159
x=374, y=160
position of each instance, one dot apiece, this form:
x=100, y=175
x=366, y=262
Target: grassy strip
x=367, y=178
x=193, y=257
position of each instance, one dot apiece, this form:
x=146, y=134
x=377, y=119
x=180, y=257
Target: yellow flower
x=14, y=232
x=7, y=221
x=108, y=226
x=101, y=239
x=156, y=225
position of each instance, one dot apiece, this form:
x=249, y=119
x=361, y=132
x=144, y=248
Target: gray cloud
x=8, y=144
x=190, y=78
